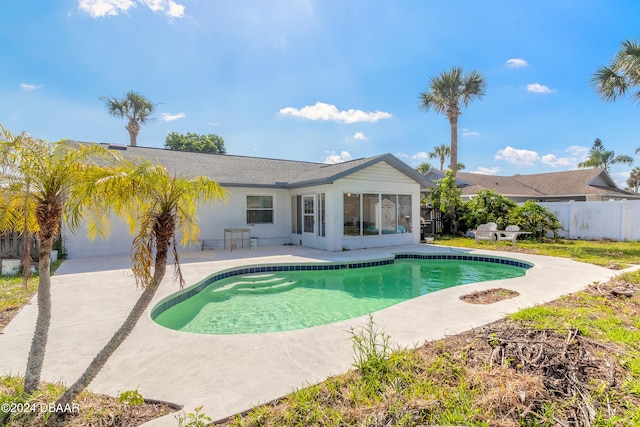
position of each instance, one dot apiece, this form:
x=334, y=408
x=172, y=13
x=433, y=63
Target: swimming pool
x=270, y=298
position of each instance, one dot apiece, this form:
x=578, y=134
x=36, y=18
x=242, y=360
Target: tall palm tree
x=41, y=182
x=448, y=93
x=159, y=206
x=442, y=152
x=601, y=158
x=135, y=108
x=634, y=179
x=621, y=76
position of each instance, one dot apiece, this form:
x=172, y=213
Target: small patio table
x=231, y=232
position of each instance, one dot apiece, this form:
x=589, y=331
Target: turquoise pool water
x=270, y=301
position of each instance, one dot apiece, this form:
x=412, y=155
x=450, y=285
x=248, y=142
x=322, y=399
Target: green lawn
x=13, y=296
x=615, y=255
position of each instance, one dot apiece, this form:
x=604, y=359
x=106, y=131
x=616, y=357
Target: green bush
x=131, y=398
x=371, y=348
x=194, y=419
x=537, y=219
x=487, y=206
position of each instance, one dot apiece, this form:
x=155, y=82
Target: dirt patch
x=614, y=266
x=529, y=367
x=98, y=410
x=6, y=316
x=489, y=296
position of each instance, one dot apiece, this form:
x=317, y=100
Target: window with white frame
x=374, y=214
x=259, y=209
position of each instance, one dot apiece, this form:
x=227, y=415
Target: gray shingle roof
x=567, y=183
x=230, y=170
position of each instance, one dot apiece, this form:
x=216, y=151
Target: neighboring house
x=577, y=185
x=358, y=204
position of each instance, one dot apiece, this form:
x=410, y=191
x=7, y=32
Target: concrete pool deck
x=230, y=373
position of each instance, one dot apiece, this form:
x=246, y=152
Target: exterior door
x=309, y=221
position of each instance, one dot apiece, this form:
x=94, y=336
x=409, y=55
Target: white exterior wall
x=615, y=220
x=213, y=219
x=232, y=214
x=78, y=245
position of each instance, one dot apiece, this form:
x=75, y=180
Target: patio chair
x=486, y=231
x=511, y=233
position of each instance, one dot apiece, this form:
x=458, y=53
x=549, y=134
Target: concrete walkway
x=230, y=373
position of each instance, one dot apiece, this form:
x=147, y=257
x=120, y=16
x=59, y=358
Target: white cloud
x=322, y=111
x=467, y=132
x=420, y=155
x=401, y=155
x=101, y=8
x=620, y=178
x=486, y=171
x=576, y=154
x=579, y=151
x=154, y=5
x=334, y=157
x=538, y=88
x=175, y=10
x=360, y=136
x=553, y=161
x=28, y=87
x=517, y=157
x=168, y=117
x=516, y=63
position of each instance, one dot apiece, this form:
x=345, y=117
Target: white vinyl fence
x=614, y=220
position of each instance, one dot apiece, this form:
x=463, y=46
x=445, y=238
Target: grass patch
x=13, y=296
x=615, y=255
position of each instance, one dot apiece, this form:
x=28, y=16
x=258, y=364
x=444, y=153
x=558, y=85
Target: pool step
x=255, y=283
x=269, y=289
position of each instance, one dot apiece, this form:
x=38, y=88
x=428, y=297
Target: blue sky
x=324, y=80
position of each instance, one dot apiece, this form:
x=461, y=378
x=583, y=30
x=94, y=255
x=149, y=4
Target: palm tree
x=135, y=108
x=601, y=158
x=634, y=179
x=18, y=206
x=41, y=182
x=424, y=167
x=621, y=76
x=448, y=93
x=159, y=206
x=442, y=152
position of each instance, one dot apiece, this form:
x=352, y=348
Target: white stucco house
x=362, y=203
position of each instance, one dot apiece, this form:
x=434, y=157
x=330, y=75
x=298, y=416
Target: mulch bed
x=489, y=296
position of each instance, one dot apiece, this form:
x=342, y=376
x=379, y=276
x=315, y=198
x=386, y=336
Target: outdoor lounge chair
x=486, y=231
x=511, y=233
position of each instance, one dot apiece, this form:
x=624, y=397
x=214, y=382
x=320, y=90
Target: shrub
x=131, y=398
x=487, y=206
x=537, y=219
